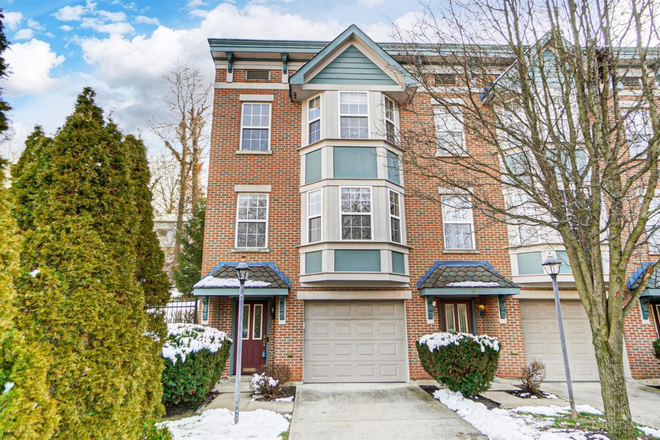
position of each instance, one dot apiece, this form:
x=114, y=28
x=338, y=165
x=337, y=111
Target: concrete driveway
x=373, y=411
x=644, y=400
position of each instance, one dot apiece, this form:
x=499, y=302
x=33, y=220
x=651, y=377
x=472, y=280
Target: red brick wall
x=639, y=337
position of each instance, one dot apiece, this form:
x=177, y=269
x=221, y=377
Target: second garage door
x=354, y=341
x=541, y=333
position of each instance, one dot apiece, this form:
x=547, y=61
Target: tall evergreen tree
x=188, y=270
x=26, y=410
x=78, y=290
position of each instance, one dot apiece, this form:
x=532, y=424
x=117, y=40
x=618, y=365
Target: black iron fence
x=180, y=310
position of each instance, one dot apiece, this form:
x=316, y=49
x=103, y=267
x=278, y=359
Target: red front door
x=254, y=337
x=456, y=316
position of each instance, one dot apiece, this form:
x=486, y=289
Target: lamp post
x=242, y=272
x=552, y=267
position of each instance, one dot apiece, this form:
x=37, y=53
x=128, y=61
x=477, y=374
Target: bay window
x=356, y=213
x=354, y=115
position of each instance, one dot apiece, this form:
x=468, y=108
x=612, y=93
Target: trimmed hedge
x=195, y=357
x=461, y=361
x=656, y=348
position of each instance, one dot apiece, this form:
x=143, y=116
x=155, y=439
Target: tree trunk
x=609, y=355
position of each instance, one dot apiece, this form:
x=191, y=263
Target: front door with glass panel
x=456, y=316
x=254, y=337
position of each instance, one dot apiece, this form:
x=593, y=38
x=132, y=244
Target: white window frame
x=310, y=217
x=246, y=321
x=270, y=125
x=445, y=223
x=443, y=152
x=368, y=115
x=254, y=320
x=237, y=220
x=388, y=120
x=281, y=312
x=319, y=119
x=371, y=213
x=206, y=306
x=392, y=216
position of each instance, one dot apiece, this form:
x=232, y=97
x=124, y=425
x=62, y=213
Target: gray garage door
x=541, y=333
x=354, y=341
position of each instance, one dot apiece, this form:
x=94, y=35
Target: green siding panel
x=398, y=263
x=352, y=67
x=357, y=261
x=313, y=262
x=393, y=167
x=529, y=263
x=565, y=264
x=313, y=166
x=355, y=163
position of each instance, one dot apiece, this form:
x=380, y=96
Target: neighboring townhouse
x=349, y=269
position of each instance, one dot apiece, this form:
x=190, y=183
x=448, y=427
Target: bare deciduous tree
x=558, y=100
x=185, y=131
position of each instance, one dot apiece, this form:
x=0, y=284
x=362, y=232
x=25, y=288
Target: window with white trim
x=458, y=223
x=638, y=131
x=255, y=127
x=653, y=227
x=354, y=115
x=314, y=209
x=282, y=310
x=252, y=221
x=205, y=310
x=356, y=213
x=314, y=119
x=390, y=116
x=395, y=217
x=449, y=131
x=521, y=205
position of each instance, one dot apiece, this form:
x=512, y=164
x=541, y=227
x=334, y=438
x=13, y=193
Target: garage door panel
x=541, y=336
x=354, y=342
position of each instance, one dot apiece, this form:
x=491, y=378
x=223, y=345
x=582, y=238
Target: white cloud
x=13, y=20
x=66, y=28
x=24, y=34
x=107, y=28
x=143, y=19
x=31, y=64
x=70, y=13
x=195, y=3
x=35, y=25
x=198, y=13
x=112, y=16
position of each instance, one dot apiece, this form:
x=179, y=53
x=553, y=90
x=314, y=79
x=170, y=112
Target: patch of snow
x=284, y=399
x=650, y=431
x=473, y=284
x=174, y=293
x=217, y=424
x=34, y=273
x=184, y=339
x=8, y=386
x=437, y=340
x=219, y=283
x=554, y=410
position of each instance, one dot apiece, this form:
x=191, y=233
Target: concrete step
x=229, y=385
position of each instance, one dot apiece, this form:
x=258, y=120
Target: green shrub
x=195, y=357
x=462, y=362
x=656, y=348
x=153, y=432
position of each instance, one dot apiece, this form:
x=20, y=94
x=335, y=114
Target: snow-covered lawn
x=523, y=423
x=219, y=424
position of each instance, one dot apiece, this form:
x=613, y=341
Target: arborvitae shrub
x=461, y=361
x=191, y=373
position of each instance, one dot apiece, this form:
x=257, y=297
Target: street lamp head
x=242, y=271
x=552, y=266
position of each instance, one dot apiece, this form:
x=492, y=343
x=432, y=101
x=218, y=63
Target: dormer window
x=354, y=115
x=314, y=119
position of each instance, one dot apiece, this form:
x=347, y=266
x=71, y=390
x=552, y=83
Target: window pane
x=257, y=321
x=354, y=127
x=315, y=131
x=356, y=200
x=458, y=236
x=255, y=139
x=314, y=229
x=394, y=204
x=456, y=209
x=355, y=162
x=356, y=227
x=638, y=131
x=314, y=109
x=449, y=317
x=393, y=167
x=251, y=234
x=205, y=308
x=396, y=230
x=246, y=321
x=462, y=318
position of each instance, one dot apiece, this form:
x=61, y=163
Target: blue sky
x=122, y=48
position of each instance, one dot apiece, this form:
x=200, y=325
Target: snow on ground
x=218, y=424
x=517, y=424
x=183, y=339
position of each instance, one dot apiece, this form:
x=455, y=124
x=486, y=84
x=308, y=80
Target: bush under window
x=461, y=361
x=195, y=357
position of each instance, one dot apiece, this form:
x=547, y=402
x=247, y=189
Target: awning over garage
x=465, y=278
x=265, y=280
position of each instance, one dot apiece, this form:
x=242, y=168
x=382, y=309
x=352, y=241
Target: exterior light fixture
x=552, y=266
x=482, y=309
x=242, y=273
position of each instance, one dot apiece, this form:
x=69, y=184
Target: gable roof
x=653, y=286
x=352, y=67
x=351, y=32
x=465, y=277
x=265, y=279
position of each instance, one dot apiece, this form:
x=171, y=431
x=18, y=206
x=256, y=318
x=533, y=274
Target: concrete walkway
x=373, y=411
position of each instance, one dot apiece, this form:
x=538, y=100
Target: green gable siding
x=352, y=67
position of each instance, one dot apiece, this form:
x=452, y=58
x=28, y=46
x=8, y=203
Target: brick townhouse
x=348, y=269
